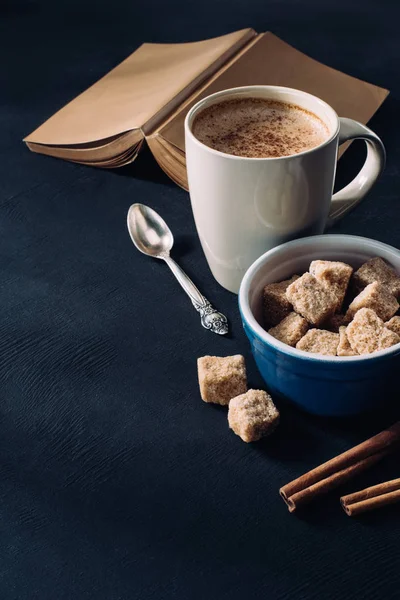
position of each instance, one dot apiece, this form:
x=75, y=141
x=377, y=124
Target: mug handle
x=348, y=197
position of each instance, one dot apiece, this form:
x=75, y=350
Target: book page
x=270, y=61
x=137, y=89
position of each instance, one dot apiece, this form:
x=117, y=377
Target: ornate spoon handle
x=210, y=318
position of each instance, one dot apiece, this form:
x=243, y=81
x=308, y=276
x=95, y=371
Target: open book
x=147, y=97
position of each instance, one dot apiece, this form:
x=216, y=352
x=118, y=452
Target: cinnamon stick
x=373, y=497
x=339, y=469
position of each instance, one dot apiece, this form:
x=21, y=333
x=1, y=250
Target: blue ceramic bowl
x=329, y=386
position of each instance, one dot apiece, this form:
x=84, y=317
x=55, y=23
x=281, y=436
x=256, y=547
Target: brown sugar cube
x=275, y=304
x=367, y=333
x=387, y=339
x=344, y=348
x=311, y=299
x=394, y=325
x=253, y=415
x=376, y=269
x=376, y=297
x=290, y=330
x=364, y=331
x=333, y=275
x=319, y=341
x=336, y=321
x=221, y=378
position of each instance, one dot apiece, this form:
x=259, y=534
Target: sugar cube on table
x=376, y=269
x=344, y=348
x=394, y=324
x=253, y=415
x=319, y=341
x=335, y=276
x=275, y=304
x=221, y=378
x=290, y=330
x=376, y=297
x=367, y=333
x=311, y=299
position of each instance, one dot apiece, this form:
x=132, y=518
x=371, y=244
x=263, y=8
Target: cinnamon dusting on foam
x=259, y=128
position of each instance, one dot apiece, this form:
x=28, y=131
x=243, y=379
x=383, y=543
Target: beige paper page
x=270, y=61
x=137, y=89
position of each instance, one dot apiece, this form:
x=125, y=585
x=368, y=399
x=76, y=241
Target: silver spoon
x=152, y=236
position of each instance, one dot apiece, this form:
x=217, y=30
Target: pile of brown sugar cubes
x=334, y=311
x=223, y=380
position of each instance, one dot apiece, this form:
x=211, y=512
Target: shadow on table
x=145, y=168
x=183, y=245
x=298, y=431
x=292, y=441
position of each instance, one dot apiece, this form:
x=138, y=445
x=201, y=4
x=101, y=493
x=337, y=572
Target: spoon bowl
x=149, y=232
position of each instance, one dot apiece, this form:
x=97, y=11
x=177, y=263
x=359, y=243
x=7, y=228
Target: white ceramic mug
x=245, y=206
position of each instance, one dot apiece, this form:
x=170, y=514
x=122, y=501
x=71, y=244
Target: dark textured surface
x=116, y=481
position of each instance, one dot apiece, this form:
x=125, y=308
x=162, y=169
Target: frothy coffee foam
x=258, y=128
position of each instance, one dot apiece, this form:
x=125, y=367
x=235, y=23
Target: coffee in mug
x=259, y=128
